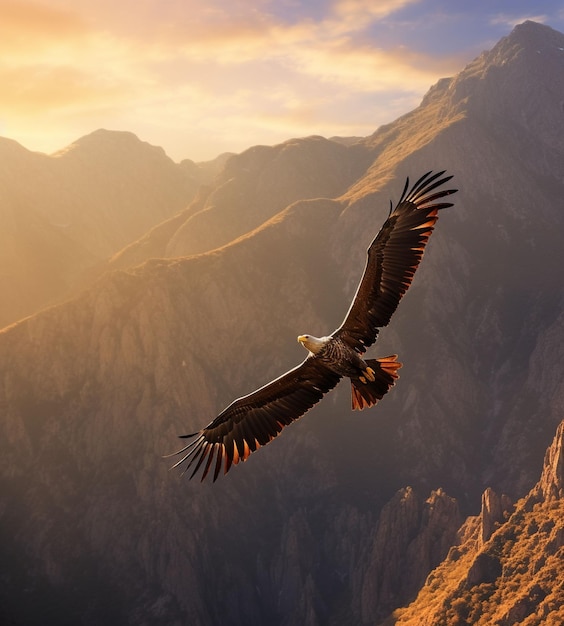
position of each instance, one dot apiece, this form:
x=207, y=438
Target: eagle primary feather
x=393, y=257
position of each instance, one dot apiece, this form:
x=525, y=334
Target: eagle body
x=253, y=420
x=336, y=355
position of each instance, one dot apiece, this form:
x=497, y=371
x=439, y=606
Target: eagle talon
x=369, y=374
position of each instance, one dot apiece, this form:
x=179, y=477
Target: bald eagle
x=255, y=419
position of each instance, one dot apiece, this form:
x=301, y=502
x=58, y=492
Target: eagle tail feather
x=367, y=394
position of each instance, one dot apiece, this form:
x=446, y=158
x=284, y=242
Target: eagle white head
x=313, y=344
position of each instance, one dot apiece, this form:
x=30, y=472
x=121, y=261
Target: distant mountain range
x=186, y=286
x=63, y=215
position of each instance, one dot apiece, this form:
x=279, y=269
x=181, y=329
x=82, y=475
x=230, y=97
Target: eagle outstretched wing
x=255, y=419
x=393, y=257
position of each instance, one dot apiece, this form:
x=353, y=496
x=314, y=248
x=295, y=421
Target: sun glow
x=200, y=78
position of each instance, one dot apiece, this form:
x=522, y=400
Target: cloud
x=356, y=15
x=245, y=67
x=186, y=46
x=332, y=50
x=28, y=28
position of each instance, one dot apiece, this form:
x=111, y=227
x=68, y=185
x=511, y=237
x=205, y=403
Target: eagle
x=254, y=420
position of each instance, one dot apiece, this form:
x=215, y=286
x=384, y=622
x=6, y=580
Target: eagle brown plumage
x=393, y=257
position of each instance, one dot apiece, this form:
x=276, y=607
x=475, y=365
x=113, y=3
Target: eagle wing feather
x=393, y=257
x=255, y=419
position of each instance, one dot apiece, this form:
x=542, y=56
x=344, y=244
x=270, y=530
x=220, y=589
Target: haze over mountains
x=341, y=519
x=63, y=215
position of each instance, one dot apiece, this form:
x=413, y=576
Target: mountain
x=253, y=187
x=503, y=573
x=341, y=519
x=64, y=214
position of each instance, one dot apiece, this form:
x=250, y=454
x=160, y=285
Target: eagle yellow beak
x=301, y=338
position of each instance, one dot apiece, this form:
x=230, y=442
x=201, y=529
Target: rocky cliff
x=320, y=527
x=505, y=574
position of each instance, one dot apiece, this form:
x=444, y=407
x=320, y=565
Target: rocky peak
x=493, y=85
x=494, y=511
x=515, y=92
x=533, y=35
x=529, y=46
x=411, y=531
x=551, y=484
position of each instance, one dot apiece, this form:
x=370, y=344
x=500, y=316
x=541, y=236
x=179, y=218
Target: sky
x=203, y=77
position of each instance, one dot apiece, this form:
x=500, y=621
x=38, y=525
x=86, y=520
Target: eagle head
x=313, y=344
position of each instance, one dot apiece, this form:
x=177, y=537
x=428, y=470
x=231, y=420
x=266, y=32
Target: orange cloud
x=162, y=67
x=34, y=90
x=29, y=26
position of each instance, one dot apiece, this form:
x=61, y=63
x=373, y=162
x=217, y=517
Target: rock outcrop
x=495, y=509
x=551, y=485
x=510, y=578
x=412, y=536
